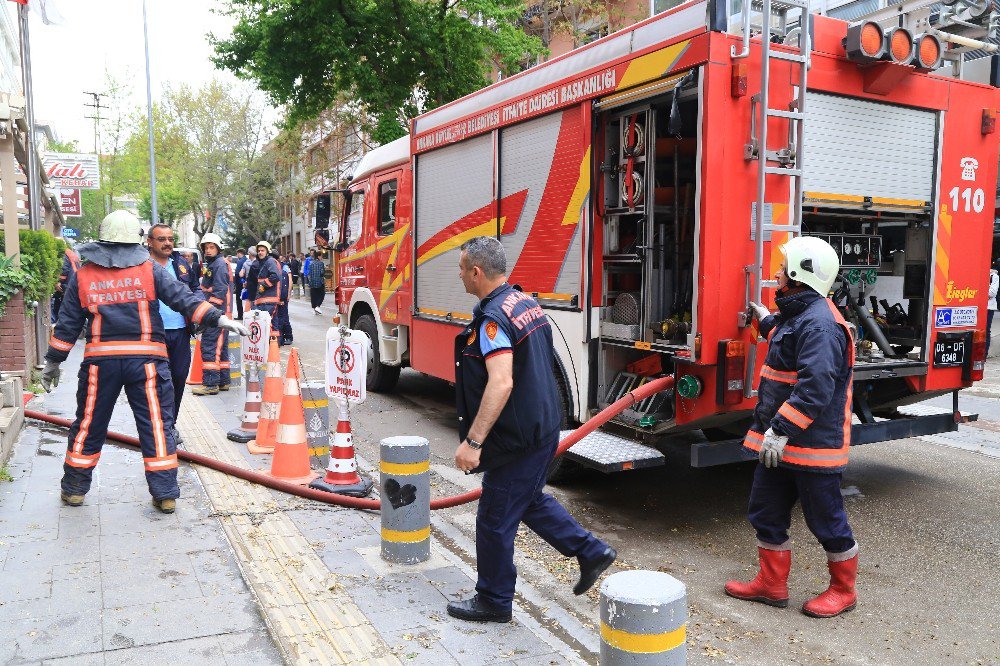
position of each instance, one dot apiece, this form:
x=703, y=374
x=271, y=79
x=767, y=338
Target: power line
x=97, y=106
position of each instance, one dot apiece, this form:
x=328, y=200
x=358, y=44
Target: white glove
x=759, y=311
x=233, y=326
x=773, y=448
x=50, y=376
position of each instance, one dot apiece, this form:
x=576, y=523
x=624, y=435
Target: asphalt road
x=924, y=512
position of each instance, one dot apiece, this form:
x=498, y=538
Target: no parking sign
x=346, y=364
x=255, y=345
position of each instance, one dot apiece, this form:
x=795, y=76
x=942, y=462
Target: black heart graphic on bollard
x=400, y=496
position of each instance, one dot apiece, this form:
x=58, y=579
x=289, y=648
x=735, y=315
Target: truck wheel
x=381, y=378
x=561, y=469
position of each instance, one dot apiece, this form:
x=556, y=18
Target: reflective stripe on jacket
x=805, y=387
x=268, y=282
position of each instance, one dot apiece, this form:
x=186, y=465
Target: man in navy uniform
x=509, y=418
x=268, y=295
x=115, y=296
x=216, y=285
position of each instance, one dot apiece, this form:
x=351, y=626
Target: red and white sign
x=72, y=170
x=255, y=346
x=69, y=203
x=346, y=364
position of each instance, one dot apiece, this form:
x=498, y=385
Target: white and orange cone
x=251, y=410
x=291, y=451
x=267, y=423
x=342, y=475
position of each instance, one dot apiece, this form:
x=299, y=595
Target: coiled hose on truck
x=631, y=398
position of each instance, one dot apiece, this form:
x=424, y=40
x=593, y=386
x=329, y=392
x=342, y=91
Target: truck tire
x=561, y=469
x=381, y=378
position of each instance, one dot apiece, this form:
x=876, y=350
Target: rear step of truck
x=610, y=453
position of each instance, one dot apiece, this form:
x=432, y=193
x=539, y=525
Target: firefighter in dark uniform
x=268, y=296
x=216, y=286
x=284, y=325
x=801, y=431
x=70, y=265
x=509, y=418
x=114, y=295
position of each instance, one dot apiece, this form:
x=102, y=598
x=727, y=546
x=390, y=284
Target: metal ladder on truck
x=787, y=161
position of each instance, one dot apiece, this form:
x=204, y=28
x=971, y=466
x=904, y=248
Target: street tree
x=396, y=58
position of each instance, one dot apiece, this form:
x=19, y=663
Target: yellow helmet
x=811, y=261
x=265, y=245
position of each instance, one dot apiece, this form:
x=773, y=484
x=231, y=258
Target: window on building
x=386, y=208
x=354, y=217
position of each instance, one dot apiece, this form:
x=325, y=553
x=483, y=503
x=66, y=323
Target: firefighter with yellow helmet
x=268, y=282
x=801, y=431
x=216, y=287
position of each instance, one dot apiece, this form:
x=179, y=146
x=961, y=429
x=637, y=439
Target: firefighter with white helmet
x=216, y=286
x=801, y=431
x=114, y=295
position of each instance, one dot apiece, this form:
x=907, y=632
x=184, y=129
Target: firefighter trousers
x=150, y=394
x=512, y=494
x=215, y=357
x=776, y=490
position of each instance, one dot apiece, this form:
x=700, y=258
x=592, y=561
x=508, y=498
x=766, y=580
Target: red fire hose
x=629, y=399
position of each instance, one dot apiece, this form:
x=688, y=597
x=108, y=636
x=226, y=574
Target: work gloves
x=50, y=376
x=759, y=311
x=233, y=326
x=773, y=448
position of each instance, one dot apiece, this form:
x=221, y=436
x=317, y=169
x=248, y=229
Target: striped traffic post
x=235, y=361
x=317, y=408
x=406, y=499
x=643, y=619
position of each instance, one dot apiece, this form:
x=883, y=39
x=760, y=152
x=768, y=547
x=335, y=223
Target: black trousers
x=316, y=296
x=239, y=303
x=179, y=356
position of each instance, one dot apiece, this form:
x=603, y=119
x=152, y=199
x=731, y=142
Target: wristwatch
x=473, y=443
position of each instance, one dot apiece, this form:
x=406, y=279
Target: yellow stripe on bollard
x=644, y=643
x=404, y=469
x=313, y=404
x=416, y=536
x=319, y=451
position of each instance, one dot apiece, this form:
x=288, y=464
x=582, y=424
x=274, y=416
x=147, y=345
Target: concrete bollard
x=317, y=411
x=406, y=499
x=643, y=619
x=235, y=361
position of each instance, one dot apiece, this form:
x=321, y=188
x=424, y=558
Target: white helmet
x=264, y=244
x=812, y=262
x=211, y=238
x=120, y=226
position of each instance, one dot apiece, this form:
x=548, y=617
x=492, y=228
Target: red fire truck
x=641, y=186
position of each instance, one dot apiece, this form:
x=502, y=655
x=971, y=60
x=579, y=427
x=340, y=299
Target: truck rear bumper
x=708, y=454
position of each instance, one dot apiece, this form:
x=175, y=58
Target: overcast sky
x=96, y=35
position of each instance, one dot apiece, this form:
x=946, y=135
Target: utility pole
x=149, y=121
x=97, y=106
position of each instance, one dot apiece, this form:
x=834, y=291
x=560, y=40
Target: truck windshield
x=354, y=217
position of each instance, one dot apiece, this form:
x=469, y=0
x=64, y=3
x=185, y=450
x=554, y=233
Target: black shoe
x=591, y=571
x=474, y=610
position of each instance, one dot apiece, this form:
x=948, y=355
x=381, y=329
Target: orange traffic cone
x=267, y=423
x=291, y=452
x=196, y=375
x=251, y=409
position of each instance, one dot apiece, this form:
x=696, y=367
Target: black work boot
x=590, y=571
x=474, y=610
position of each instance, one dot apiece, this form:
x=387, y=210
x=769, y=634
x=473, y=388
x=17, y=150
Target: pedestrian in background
x=801, y=431
x=317, y=282
x=70, y=265
x=113, y=297
x=217, y=290
x=284, y=325
x=239, y=280
x=508, y=424
x=177, y=334
x=295, y=266
x=305, y=273
x=991, y=303
x=250, y=269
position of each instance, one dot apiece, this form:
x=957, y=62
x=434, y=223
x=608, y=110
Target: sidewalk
x=238, y=573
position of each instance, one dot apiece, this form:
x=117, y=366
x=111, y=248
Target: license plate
x=949, y=353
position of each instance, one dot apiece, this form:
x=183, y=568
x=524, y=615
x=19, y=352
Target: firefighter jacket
x=806, y=383
x=70, y=265
x=185, y=273
x=508, y=321
x=114, y=295
x=268, y=284
x=216, y=284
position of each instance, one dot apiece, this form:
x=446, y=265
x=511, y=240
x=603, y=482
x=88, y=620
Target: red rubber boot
x=771, y=584
x=841, y=596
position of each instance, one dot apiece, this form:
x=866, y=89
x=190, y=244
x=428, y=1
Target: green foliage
x=41, y=262
x=396, y=57
x=13, y=279
x=253, y=215
x=5, y=474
